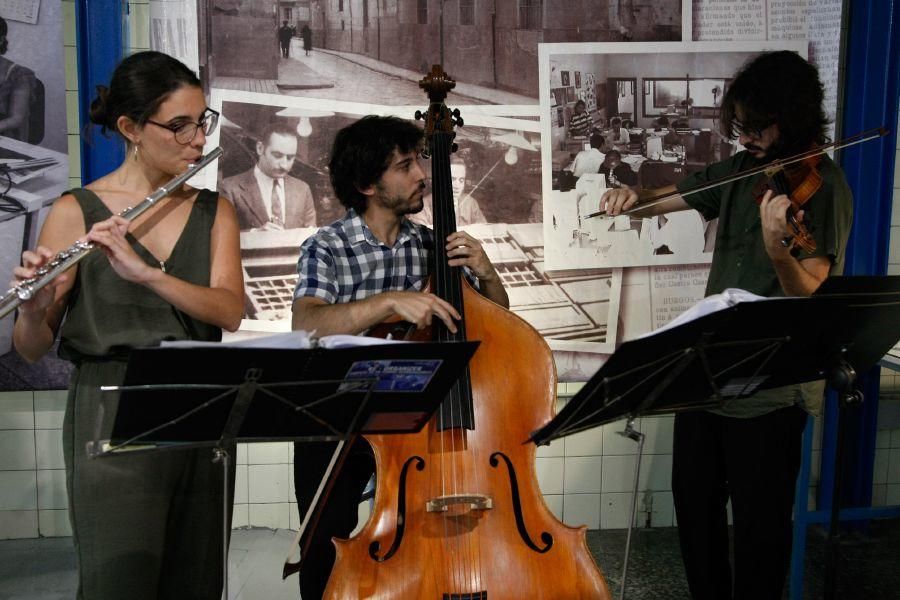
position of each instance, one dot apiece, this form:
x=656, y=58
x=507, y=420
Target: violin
x=798, y=181
x=796, y=176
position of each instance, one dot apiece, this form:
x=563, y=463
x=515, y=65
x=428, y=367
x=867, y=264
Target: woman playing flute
x=149, y=525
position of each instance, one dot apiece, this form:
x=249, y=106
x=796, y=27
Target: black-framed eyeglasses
x=186, y=131
x=754, y=131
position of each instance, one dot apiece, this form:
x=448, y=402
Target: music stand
x=729, y=354
x=215, y=396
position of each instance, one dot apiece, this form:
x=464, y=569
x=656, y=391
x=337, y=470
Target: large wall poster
x=499, y=156
x=34, y=140
x=368, y=53
x=669, y=130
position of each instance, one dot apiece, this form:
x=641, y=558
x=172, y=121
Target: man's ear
x=367, y=191
x=260, y=148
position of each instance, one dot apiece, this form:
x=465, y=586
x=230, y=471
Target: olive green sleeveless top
x=107, y=316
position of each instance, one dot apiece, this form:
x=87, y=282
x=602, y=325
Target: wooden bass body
x=458, y=514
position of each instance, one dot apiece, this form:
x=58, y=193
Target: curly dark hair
x=362, y=152
x=777, y=88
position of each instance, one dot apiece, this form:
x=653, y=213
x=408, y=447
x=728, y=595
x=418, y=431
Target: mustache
x=754, y=148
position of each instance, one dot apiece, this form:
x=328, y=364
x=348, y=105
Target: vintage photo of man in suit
x=267, y=197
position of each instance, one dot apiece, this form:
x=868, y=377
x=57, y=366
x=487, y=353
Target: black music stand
x=215, y=396
x=845, y=328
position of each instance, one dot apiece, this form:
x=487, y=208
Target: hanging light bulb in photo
x=304, y=117
x=512, y=156
x=304, y=127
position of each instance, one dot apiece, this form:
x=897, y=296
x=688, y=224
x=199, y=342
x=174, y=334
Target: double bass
x=458, y=514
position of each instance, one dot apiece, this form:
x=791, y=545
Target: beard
x=775, y=150
x=402, y=205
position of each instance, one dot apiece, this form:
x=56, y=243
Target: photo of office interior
x=631, y=115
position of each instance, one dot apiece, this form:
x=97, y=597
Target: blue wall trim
x=872, y=85
x=100, y=29
x=870, y=100
x=871, y=89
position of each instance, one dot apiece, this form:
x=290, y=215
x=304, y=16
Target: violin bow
x=772, y=167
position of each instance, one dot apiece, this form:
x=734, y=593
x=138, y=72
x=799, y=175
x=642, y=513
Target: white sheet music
x=25, y=11
x=895, y=351
x=709, y=305
x=296, y=340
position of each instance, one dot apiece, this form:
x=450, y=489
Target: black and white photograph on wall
x=173, y=30
x=376, y=50
x=817, y=23
x=496, y=183
x=657, y=123
x=34, y=159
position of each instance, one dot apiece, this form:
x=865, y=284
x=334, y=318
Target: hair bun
x=98, y=112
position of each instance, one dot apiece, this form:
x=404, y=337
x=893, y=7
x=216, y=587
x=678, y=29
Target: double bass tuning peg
x=419, y=115
x=456, y=118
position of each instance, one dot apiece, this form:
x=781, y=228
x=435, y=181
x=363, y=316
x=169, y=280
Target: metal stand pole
x=632, y=434
x=220, y=455
x=841, y=378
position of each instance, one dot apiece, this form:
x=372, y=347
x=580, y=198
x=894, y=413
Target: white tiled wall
x=585, y=479
x=32, y=478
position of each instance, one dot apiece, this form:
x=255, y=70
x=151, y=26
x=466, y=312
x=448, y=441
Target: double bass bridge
x=474, y=501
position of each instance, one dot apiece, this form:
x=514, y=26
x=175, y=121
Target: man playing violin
x=748, y=451
x=367, y=267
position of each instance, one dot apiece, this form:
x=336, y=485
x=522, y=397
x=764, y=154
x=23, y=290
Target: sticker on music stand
x=394, y=375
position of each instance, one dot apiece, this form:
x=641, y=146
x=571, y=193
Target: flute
x=68, y=258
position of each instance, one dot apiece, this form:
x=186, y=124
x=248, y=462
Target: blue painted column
x=870, y=89
x=870, y=94
x=100, y=29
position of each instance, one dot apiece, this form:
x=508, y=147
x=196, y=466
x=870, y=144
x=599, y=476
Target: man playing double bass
x=748, y=451
x=359, y=271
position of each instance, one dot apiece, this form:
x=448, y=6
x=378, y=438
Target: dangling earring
x=135, y=152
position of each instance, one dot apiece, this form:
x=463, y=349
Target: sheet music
x=25, y=11
x=709, y=305
x=292, y=340
x=895, y=351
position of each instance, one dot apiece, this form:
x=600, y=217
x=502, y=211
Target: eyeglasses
x=185, y=132
x=750, y=131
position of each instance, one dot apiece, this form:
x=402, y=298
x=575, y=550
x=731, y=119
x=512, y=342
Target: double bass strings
x=466, y=560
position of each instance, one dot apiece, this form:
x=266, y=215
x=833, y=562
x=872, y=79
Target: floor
x=44, y=569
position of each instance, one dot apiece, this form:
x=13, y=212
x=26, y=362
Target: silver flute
x=68, y=258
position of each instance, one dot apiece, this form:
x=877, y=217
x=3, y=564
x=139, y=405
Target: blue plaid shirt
x=345, y=262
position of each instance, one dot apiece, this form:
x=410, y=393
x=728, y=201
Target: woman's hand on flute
x=44, y=297
x=110, y=236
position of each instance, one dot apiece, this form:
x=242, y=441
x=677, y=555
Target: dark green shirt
x=107, y=316
x=740, y=259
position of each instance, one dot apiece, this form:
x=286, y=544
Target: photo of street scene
x=376, y=51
